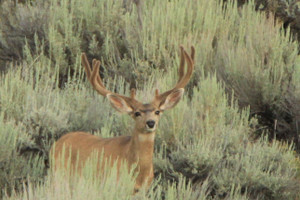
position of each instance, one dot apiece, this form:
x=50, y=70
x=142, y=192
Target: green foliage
x=18, y=24
x=215, y=144
x=246, y=78
x=16, y=169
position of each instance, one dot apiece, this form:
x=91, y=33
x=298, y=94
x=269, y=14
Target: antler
x=183, y=78
x=96, y=81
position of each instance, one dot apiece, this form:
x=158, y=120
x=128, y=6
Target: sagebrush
x=220, y=142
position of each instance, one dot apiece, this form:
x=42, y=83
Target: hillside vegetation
x=234, y=135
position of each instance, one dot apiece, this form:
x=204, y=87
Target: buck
x=138, y=148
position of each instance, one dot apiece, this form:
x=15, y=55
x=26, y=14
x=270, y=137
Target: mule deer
x=136, y=149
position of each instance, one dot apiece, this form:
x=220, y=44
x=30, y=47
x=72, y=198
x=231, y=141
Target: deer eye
x=157, y=112
x=137, y=114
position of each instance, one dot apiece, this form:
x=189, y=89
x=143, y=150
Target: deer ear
x=172, y=99
x=119, y=104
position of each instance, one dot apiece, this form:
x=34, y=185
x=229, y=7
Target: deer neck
x=142, y=146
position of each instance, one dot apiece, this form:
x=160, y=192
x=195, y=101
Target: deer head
x=146, y=116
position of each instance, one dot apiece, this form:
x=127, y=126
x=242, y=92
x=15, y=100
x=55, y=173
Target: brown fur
x=136, y=149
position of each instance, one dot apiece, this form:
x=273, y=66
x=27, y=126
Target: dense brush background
x=234, y=135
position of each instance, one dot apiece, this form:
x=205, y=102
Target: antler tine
x=156, y=93
x=94, y=62
x=99, y=80
x=182, y=59
x=181, y=66
x=132, y=93
x=88, y=69
x=183, y=78
x=184, y=81
x=86, y=65
x=96, y=80
x=193, y=53
x=93, y=75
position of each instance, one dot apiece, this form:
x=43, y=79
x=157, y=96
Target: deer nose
x=150, y=123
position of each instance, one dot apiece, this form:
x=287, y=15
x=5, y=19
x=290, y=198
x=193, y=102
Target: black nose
x=150, y=123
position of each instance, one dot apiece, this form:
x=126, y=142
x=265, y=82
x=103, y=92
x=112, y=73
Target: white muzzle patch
x=146, y=137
